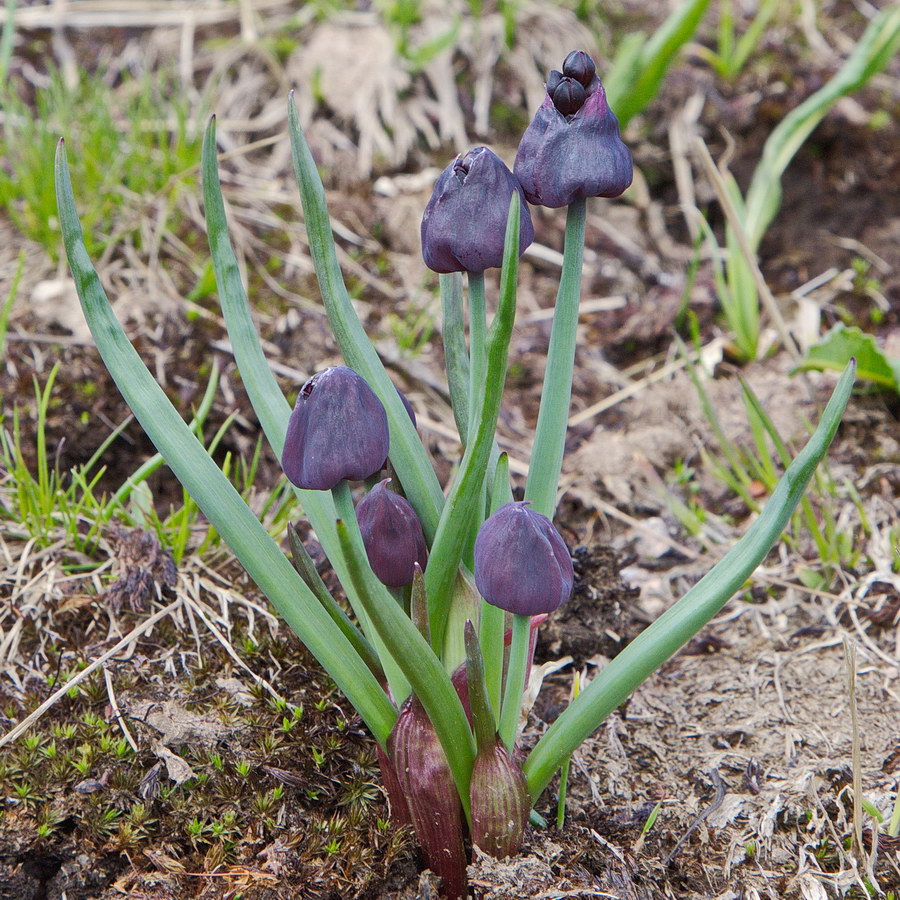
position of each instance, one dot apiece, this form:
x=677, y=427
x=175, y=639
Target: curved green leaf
x=650, y=649
x=209, y=487
x=408, y=456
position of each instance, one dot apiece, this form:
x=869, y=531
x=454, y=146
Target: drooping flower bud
x=464, y=225
x=522, y=564
x=572, y=148
x=338, y=429
x=499, y=801
x=392, y=534
x=425, y=779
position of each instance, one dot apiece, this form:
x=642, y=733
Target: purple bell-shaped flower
x=464, y=225
x=572, y=148
x=392, y=535
x=522, y=564
x=338, y=429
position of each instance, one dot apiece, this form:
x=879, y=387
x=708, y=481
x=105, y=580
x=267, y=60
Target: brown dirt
x=743, y=742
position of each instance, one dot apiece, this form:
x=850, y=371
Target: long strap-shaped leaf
x=408, y=456
x=209, y=487
x=635, y=77
x=467, y=491
x=262, y=388
x=652, y=647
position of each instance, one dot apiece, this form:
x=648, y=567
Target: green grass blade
x=755, y=410
x=873, y=52
x=650, y=649
x=408, y=456
x=628, y=98
x=750, y=38
x=7, y=36
x=205, y=482
x=9, y=301
x=462, y=507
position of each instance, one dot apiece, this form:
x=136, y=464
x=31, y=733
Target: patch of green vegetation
x=127, y=145
x=40, y=502
x=413, y=329
x=751, y=472
x=74, y=783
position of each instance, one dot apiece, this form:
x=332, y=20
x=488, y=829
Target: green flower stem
x=367, y=590
x=456, y=356
x=493, y=619
x=466, y=494
x=561, y=798
x=209, y=487
x=477, y=345
x=650, y=649
x=553, y=416
x=515, y=679
x=418, y=604
x=491, y=634
x=431, y=684
x=408, y=455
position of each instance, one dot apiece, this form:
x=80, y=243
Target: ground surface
x=209, y=757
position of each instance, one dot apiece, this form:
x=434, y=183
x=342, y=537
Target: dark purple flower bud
x=464, y=226
x=408, y=407
x=553, y=81
x=522, y=564
x=338, y=429
x=499, y=800
x=580, y=66
x=569, y=96
x=568, y=156
x=392, y=534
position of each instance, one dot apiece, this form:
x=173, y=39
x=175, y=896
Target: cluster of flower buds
x=338, y=431
x=572, y=150
x=569, y=89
